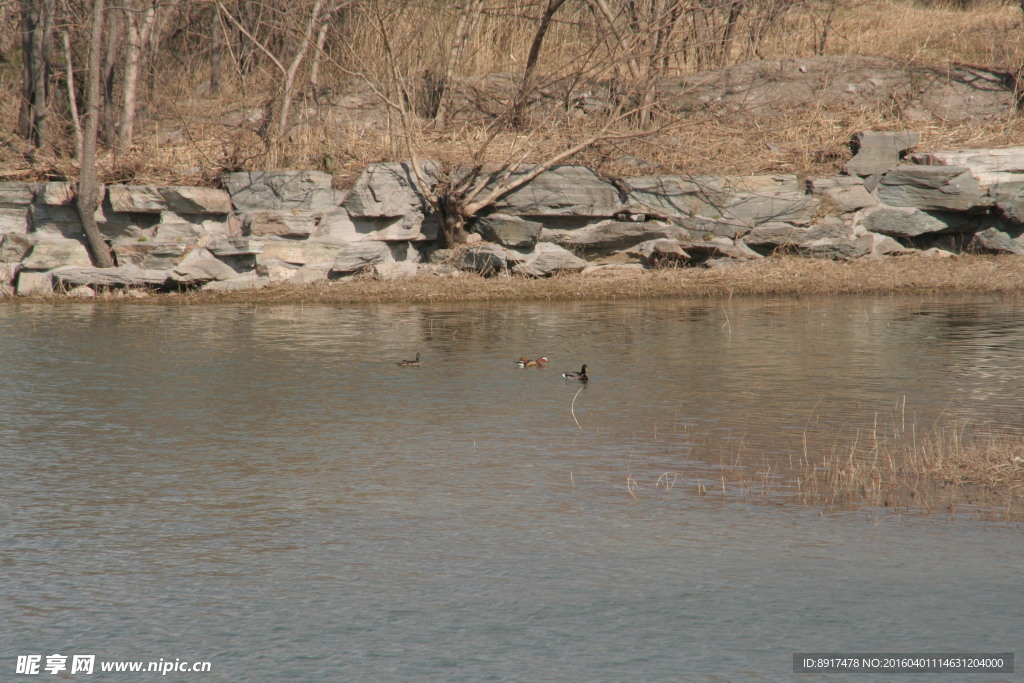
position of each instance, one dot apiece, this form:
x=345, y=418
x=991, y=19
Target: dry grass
x=775, y=276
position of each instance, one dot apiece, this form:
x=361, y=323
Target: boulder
x=547, y=259
x=48, y=254
x=610, y=235
x=298, y=252
x=33, y=283
x=1009, y=200
x=58, y=194
x=988, y=166
x=484, y=258
x=135, y=199
x=14, y=219
x=105, y=278
x=151, y=255
x=843, y=194
x=17, y=195
x=388, y=190
x=996, y=241
x=276, y=270
x=829, y=238
x=358, y=256
x=659, y=252
x=932, y=188
x=200, y=267
x=14, y=246
x=55, y=221
x=719, y=247
x=278, y=190
x=508, y=231
x=183, y=199
x=908, y=223
x=574, y=191
x=290, y=223
x=743, y=200
x=877, y=151
x=240, y=283
x=337, y=226
x=234, y=246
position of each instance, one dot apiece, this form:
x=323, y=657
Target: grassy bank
x=775, y=276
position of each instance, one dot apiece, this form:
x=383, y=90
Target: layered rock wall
x=276, y=226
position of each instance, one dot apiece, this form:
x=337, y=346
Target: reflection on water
x=266, y=489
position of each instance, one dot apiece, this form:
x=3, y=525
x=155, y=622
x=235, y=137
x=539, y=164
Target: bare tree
x=89, y=191
x=37, y=17
x=529, y=82
x=440, y=89
x=139, y=18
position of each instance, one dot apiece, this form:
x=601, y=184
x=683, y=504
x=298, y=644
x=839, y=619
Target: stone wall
x=277, y=226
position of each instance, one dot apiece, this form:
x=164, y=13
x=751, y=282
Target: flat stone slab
x=277, y=190
x=611, y=235
x=561, y=191
x=932, y=188
x=877, y=151
x=988, y=166
x=48, y=254
x=121, y=276
x=742, y=200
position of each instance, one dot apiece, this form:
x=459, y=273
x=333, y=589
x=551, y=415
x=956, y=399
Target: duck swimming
x=580, y=376
x=539, y=363
x=410, y=362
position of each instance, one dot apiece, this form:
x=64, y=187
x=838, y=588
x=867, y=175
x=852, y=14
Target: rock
x=58, y=194
x=996, y=241
x=560, y=191
x=743, y=200
x=105, y=278
x=195, y=200
x=931, y=188
x=276, y=270
x=14, y=246
x=14, y=220
x=508, y=231
x=359, y=256
x=234, y=246
x=483, y=258
x=135, y=199
x=988, y=166
x=829, y=238
x=279, y=190
x=310, y=273
x=151, y=255
x=15, y=195
x=659, y=252
x=547, y=259
x=611, y=235
x=48, y=254
x=290, y=223
x=842, y=194
x=719, y=247
x=908, y=223
x=55, y=221
x=878, y=151
x=394, y=270
x=388, y=190
x=1009, y=200
x=200, y=267
x=882, y=245
x=33, y=283
x=337, y=226
x=239, y=283
x=714, y=227
x=181, y=231
x=298, y=252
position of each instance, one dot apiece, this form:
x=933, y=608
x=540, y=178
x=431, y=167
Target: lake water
x=266, y=490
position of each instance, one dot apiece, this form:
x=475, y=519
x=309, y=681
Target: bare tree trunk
x=288, y=91
x=108, y=110
x=37, y=28
x=314, y=67
x=88, y=196
x=469, y=16
x=216, y=50
x=138, y=28
x=72, y=97
x=529, y=81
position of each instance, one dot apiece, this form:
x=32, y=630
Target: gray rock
x=239, y=283
x=48, y=254
x=277, y=190
x=337, y=226
x=823, y=239
x=989, y=166
x=200, y=267
x=610, y=235
x=17, y=195
x=358, y=256
x=561, y=191
x=13, y=219
x=878, y=151
x=998, y=242
x=659, y=252
x=508, y=231
x=151, y=255
x=234, y=246
x=843, y=194
x=181, y=231
x=195, y=200
x=907, y=223
x=105, y=278
x=743, y=200
x=33, y=283
x=135, y=199
x=14, y=246
x=1009, y=200
x=720, y=247
x=290, y=223
x=55, y=221
x=310, y=273
x=483, y=258
x=931, y=188
x=546, y=259
x=57, y=194
x=298, y=252
x=388, y=190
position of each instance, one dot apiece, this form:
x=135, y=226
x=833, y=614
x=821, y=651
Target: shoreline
x=775, y=276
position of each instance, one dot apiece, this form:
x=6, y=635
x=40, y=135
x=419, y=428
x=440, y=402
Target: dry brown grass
x=775, y=276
